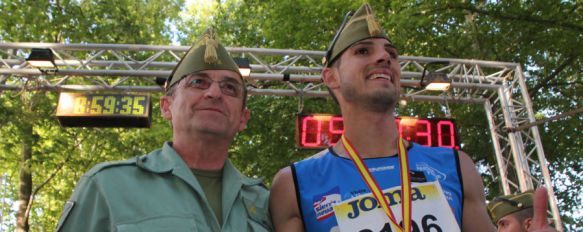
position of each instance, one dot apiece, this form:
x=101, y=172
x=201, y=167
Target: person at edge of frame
x=334, y=190
x=189, y=184
x=515, y=212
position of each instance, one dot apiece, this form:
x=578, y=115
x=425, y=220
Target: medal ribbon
x=376, y=190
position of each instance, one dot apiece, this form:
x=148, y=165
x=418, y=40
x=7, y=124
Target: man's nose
x=383, y=56
x=214, y=91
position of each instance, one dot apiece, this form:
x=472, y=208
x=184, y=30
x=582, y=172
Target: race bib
x=431, y=212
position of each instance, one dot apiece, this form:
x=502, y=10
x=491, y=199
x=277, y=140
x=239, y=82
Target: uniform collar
x=167, y=160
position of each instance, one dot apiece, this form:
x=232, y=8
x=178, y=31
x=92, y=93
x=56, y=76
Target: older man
x=189, y=184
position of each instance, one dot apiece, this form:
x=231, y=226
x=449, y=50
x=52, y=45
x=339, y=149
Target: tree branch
x=547, y=79
x=545, y=120
x=39, y=187
x=525, y=18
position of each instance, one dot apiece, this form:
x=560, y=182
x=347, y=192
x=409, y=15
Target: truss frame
x=499, y=86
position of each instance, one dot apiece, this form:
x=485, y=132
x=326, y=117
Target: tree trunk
x=25, y=180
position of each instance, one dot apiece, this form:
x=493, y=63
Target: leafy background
x=41, y=159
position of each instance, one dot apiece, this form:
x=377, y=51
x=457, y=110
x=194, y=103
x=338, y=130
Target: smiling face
x=367, y=74
x=210, y=112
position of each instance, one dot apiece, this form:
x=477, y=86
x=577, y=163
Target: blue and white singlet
x=326, y=179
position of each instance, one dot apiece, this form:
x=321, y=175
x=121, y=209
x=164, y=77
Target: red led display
x=321, y=130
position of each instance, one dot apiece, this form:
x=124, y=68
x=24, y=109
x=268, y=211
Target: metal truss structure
x=499, y=86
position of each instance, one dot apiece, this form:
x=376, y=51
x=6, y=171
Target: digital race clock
x=322, y=130
x=104, y=110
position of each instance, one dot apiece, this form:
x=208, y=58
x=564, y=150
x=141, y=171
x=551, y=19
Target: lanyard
x=376, y=190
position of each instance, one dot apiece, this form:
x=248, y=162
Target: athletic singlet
x=326, y=179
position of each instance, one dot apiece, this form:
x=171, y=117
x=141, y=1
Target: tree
x=33, y=131
x=544, y=36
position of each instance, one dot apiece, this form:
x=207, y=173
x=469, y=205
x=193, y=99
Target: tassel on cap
x=207, y=53
x=373, y=26
x=211, y=44
x=210, y=53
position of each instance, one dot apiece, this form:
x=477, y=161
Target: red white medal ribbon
x=376, y=190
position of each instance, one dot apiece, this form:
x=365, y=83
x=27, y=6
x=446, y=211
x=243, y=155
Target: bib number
x=431, y=211
x=427, y=225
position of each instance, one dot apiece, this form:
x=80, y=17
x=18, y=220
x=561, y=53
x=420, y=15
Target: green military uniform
x=509, y=204
x=158, y=192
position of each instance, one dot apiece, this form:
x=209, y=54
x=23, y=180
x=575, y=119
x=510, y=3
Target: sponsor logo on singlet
x=323, y=203
x=432, y=171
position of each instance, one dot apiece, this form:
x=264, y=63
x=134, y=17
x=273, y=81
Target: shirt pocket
x=257, y=217
x=160, y=224
x=255, y=226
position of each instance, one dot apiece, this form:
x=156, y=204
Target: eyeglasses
x=228, y=87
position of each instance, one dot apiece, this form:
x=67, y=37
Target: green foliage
x=544, y=36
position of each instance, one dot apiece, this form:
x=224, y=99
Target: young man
x=512, y=213
x=521, y=212
x=339, y=189
x=189, y=184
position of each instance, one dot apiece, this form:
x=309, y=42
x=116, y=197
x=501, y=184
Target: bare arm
x=475, y=216
x=283, y=204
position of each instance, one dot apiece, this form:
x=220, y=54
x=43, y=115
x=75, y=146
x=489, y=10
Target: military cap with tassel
x=362, y=25
x=206, y=54
x=508, y=204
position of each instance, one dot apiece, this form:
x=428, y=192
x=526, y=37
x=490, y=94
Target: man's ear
x=245, y=115
x=526, y=223
x=165, y=102
x=330, y=77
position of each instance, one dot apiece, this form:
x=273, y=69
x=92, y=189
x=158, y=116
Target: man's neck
x=202, y=153
x=371, y=134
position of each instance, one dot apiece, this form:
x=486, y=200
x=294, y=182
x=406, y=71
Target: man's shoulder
x=417, y=148
x=119, y=165
x=319, y=155
x=108, y=166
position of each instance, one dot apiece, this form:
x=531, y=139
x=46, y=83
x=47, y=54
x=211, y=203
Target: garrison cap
x=206, y=54
x=508, y=204
x=362, y=25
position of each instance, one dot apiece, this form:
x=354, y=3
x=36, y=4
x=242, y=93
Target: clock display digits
x=126, y=105
x=320, y=131
x=95, y=106
x=138, y=107
x=80, y=105
x=314, y=141
x=336, y=129
x=445, y=138
x=103, y=109
x=109, y=105
x=423, y=135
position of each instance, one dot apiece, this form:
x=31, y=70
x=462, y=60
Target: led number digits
x=445, y=137
x=109, y=105
x=105, y=104
x=80, y=104
x=95, y=106
x=319, y=131
x=126, y=105
x=315, y=138
x=77, y=109
x=138, y=107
